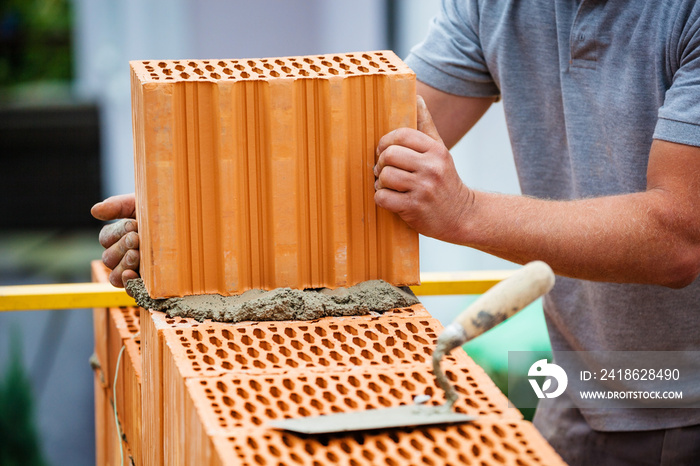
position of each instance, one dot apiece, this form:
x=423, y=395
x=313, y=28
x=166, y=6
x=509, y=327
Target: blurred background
x=65, y=143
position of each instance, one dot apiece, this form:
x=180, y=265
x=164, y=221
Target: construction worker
x=602, y=101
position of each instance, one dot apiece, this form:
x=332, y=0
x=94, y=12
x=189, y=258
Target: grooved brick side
x=258, y=173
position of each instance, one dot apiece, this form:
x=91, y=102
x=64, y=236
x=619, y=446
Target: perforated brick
x=324, y=345
x=257, y=173
x=478, y=443
x=242, y=401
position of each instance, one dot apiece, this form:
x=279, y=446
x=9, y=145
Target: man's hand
x=120, y=239
x=417, y=179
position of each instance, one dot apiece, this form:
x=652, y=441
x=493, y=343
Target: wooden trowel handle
x=499, y=303
x=493, y=307
x=506, y=298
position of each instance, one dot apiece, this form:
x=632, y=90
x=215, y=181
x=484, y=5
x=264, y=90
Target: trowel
x=493, y=307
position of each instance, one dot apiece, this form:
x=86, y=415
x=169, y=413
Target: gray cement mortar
x=281, y=303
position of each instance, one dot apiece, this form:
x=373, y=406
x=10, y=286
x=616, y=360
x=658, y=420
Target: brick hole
x=509, y=447
x=356, y=361
x=366, y=57
x=209, y=360
x=378, y=348
x=374, y=387
x=239, y=67
x=367, y=354
x=241, y=360
x=292, y=363
x=290, y=332
x=308, y=338
x=184, y=75
x=284, y=407
x=303, y=411
x=245, y=75
x=296, y=398
x=309, y=390
x=476, y=451
x=179, y=332
x=274, y=74
x=409, y=346
x=327, y=343
x=398, y=353
x=303, y=72
x=390, y=341
x=386, y=359
x=359, y=342
x=297, y=64
x=383, y=401
x=279, y=62
x=352, y=380
x=296, y=345
x=215, y=341
x=371, y=335
x=339, y=336
x=232, y=346
x=202, y=348
x=216, y=75
x=285, y=351
x=196, y=335
x=520, y=462
x=251, y=63
x=192, y=357
x=344, y=66
x=315, y=68
x=242, y=393
x=374, y=64
x=363, y=69
x=401, y=335
x=317, y=404
x=396, y=394
x=257, y=70
x=262, y=400
x=184, y=339
x=354, y=61
x=452, y=442
x=272, y=358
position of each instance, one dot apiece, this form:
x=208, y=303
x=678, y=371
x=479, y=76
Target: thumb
x=425, y=121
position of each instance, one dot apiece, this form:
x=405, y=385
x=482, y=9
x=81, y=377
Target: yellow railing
x=89, y=295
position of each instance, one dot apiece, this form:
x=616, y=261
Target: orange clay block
x=258, y=173
x=116, y=328
x=209, y=388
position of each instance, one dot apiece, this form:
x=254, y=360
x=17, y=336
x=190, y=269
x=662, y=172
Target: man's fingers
x=406, y=137
x=129, y=262
x=114, y=254
x=390, y=200
x=399, y=157
x=394, y=179
x=112, y=208
x=425, y=120
x=113, y=232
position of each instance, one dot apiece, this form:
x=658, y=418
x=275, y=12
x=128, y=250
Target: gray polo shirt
x=586, y=86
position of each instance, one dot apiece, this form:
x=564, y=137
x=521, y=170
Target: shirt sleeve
x=679, y=116
x=450, y=58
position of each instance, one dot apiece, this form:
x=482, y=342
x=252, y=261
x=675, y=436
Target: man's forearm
x=626, y=238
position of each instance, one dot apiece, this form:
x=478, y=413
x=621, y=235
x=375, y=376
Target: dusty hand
x=120, y=239
x=417, y=179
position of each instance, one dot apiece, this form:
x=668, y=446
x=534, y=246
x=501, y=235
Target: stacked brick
x=258, y=173
x=208, y=389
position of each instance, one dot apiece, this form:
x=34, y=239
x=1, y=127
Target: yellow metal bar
x=89, y=295
x=62, y=296
x=456, y=283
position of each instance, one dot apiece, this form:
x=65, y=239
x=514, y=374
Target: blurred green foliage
x=35, y=41
x=19, y=442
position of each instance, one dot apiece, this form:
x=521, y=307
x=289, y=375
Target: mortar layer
x=279, y=304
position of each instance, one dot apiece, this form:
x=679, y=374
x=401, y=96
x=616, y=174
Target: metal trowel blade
x=371, y=419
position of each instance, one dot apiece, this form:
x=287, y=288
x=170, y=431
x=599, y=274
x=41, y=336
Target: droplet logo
x=542, y=368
